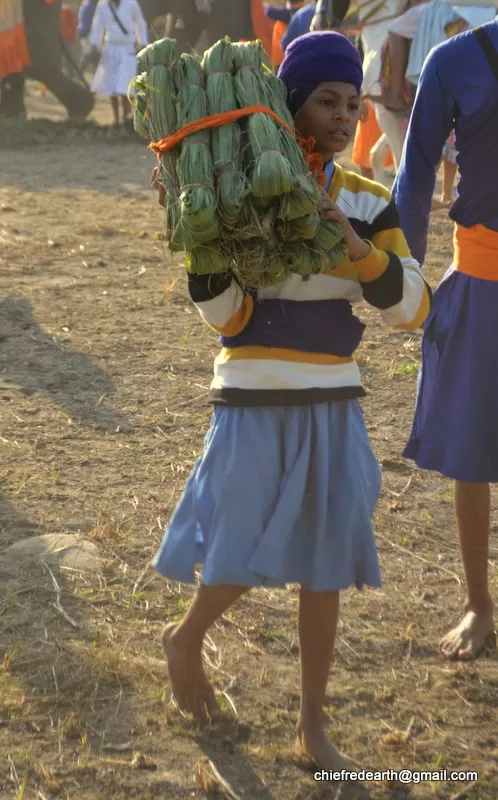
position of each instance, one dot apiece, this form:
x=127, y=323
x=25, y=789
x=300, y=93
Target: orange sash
x=476, y=252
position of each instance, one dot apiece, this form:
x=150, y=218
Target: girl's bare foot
x=190, y=686
x=313, y=743
x=474, y=634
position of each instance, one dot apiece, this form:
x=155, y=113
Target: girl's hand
x=357, y=248
x=363, y=115
x=155, y=184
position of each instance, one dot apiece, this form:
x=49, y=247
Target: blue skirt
x=279, y=495
x=455, y=431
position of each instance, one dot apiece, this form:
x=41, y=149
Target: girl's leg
x=472, y=507
x=318, y=617
x=115, y=109
x=183, y=642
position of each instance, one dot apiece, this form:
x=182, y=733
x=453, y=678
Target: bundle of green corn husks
x=239, y=196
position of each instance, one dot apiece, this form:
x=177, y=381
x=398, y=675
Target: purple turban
x=315, y=58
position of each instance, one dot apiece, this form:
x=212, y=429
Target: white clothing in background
x=432, y=29
x=117, y=65
x=393, y=126
x=407, y=24
x=373, y=36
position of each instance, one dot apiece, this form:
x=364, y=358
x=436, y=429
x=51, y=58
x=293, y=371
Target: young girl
x=286, y=486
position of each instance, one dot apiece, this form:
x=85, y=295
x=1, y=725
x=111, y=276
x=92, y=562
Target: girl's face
x=330, y=115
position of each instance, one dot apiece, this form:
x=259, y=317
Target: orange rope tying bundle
x=170, y=141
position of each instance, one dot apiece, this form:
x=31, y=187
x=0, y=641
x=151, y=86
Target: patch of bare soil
x=104, y=373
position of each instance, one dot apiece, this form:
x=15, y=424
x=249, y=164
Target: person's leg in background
x=449, y=170
x=476, y=630
x=394, y=127
x=378, y=155
x=125, y=109
x=12, y=95
x=115, y=109
x=449, y=175
x=369, y=138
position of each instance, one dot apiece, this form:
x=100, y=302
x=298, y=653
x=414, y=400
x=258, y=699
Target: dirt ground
x=104, y=373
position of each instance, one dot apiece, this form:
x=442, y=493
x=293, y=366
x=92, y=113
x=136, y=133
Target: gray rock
x=55, y=549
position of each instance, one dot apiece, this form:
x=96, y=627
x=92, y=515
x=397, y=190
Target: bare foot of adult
x=314, y=743
x=190, y=686
x=467, y=641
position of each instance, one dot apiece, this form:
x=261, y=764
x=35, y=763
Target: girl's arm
x=221, y=302
x=391, y=280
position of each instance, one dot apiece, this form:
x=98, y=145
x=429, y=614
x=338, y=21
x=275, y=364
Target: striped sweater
x=294, y=343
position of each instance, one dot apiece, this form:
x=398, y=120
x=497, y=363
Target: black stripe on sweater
x=231, y=396
x=385, y=221
x=386, y=290
x=205, y=287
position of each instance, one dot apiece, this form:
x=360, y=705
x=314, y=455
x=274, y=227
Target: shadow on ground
x=36, y=363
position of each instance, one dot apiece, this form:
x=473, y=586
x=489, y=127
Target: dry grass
x=104, y=372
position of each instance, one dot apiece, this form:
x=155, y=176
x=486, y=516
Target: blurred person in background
x=85, y=18
x=69, y=33
x=118, y=30
x=281, y=13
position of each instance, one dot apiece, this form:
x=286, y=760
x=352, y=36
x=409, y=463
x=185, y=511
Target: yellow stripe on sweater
x=392, y=239
x=279, y=354
x=346, y=269
x=372, y=266
x=365, y=269
x=352, y=182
